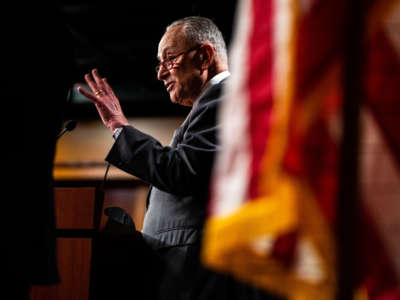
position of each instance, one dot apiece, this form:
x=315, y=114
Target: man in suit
x=193, y=66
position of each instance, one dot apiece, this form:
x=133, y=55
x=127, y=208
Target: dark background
x=120, y=39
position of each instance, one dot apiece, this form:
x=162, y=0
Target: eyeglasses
x=170, y=62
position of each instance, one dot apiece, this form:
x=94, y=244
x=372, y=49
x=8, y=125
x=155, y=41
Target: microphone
x=69, y=126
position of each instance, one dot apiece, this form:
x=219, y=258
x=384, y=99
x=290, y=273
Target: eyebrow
x=164, y=52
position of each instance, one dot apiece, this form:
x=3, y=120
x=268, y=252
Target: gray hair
x=203, y=30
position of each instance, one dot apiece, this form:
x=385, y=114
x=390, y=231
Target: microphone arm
x=61, y=133
x=69, y=126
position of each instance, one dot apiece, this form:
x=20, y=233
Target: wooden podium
x=78, y=213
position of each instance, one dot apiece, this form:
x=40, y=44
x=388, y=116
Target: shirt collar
x=217, y=79
x=213, y=81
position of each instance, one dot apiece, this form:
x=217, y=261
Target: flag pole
x=348, y=194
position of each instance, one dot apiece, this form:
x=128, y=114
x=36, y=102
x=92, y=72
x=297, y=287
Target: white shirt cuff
x=117, y=131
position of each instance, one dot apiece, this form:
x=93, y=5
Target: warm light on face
x=177, y=68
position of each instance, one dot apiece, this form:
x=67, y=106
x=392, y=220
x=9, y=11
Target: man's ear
x=206, y=56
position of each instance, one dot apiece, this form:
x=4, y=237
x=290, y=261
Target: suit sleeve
x=181, y=170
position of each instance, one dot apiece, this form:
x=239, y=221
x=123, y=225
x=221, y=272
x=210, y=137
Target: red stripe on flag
x=313, y=154
x=260, y=85
x=383, y=89
x=319, y=43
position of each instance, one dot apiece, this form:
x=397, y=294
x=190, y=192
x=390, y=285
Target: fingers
x=90, y=83
x=99, y=87
x=108, y=88
x=96, y=84
x=98, y=80
x=88, y=95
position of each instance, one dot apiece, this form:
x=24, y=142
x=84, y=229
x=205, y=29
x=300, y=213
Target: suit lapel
x=176, y=138
x=179, y=132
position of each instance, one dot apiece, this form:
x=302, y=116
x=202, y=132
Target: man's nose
x=162, y=73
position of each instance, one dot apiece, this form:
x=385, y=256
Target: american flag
x=273, y=210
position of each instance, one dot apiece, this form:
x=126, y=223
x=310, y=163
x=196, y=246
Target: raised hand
x=106, y=102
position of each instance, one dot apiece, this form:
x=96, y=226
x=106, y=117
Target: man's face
x=182, y=81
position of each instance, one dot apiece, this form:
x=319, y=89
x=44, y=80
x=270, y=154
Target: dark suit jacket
x=179, y=175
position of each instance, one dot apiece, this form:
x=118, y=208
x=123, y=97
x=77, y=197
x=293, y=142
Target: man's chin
x=177, y=101
x=173, y=98
x=180, y=100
